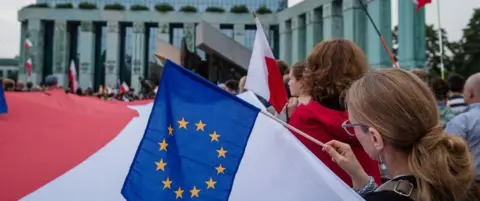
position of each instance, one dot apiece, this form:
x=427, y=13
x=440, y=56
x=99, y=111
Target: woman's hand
x=292, y=105
x=343, y=155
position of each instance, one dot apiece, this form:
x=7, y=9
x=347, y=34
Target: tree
x=432, y=51
x=466, y=60
x=283, y=4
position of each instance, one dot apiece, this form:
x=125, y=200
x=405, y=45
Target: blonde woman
x=394, y=115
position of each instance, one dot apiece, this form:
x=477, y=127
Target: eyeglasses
x=350, y=128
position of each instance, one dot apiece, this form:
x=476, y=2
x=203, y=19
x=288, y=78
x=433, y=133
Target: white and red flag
x=264, y=77
x=28, y=67
x=28, y=44
x=72, y=76
x=421, y=3
x=124, y=88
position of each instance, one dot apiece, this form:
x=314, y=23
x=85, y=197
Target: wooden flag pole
x=379, y=34
x=303, y=134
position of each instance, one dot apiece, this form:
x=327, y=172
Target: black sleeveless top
x=388, y=195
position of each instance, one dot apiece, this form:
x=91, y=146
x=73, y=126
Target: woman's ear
x=377, y=139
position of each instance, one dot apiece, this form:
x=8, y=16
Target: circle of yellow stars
x=160, y=165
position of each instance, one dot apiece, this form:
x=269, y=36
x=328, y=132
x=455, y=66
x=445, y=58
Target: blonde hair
x=403, y=109
x=241, y=84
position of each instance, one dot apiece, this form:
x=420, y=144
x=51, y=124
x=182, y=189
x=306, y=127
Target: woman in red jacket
x=330, y=69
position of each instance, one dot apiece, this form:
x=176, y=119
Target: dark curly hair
x=440, y=89
x=332, y=66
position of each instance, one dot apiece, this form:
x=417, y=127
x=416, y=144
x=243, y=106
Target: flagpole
x=442, y=67
x=384, y=43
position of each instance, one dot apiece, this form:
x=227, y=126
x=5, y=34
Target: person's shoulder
x=385, y=195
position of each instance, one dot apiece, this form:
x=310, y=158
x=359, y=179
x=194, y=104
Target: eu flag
x=193, y=143
x=3, y=101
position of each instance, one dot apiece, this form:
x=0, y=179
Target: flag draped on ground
x=264, y=77
x=207, y=144
x=57, y=146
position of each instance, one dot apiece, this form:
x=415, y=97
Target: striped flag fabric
x=264, y=77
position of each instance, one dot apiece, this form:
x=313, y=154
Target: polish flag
x=421, y=3
x=72, y=76
x=264, y=77
x=59, y=146
x=28, y=44
x=124, y=88
x=28, y=67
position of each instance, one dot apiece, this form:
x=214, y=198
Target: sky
x=454, y=17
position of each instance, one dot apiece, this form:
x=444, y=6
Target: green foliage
x=283, y=4
x=38, y=5
x=115, y=6
x=164, y=7
x=87, y=6
x=64, y=5
x=214, y=9
x=239, y=9
x=188, y=9
x=263, y=10
x=139, y=7
x=466, y=60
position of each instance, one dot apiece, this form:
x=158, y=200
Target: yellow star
x=221, y=152
x=163, y=145
x=167, y=183
x=214, y=136
x=178, y=193
x=194, y=192
x=161, y=165
x=170, y=130
x=211, y=183
x=182, y=123
x=220, y=169
x=200, y=125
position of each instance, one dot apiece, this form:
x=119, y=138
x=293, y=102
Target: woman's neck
x=397, y=164
x=304, y=99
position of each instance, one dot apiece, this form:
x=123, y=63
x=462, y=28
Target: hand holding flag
x=207, y=144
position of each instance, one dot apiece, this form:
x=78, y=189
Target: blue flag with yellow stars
x=193, y=143
x=3, y=100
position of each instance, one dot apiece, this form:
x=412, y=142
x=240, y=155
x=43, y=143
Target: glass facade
x=177, y=4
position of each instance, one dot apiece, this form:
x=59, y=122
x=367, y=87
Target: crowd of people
x=147, y=91
x=425, y=132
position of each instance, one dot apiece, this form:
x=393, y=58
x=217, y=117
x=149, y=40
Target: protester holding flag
x=406, y=134
x=331, y=67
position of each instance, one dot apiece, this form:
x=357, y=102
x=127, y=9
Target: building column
x=314, y=32
x=285, y=41
x=298, y=39
x=60, y=52
x=380, y=10
x=138, y=53
x=354, y=22
x=35, y=34
x=22, y=72
x=189, y=34
x=113, y=53
x=332, y=20
x=411, y=36
x=163, y=32
x=239, y=33
x=87, y=55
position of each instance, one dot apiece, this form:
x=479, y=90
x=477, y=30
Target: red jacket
x=324, y=124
